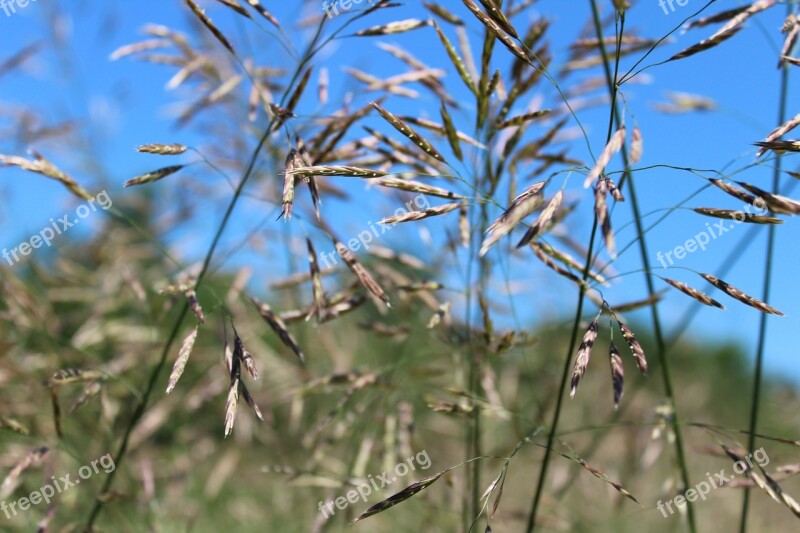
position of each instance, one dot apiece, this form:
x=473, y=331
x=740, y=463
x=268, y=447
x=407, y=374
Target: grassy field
x=235, y=345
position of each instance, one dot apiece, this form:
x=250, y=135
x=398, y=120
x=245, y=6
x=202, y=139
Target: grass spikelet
x=279, y=328
x=183, y=357
x=739, y=216
x=544, y=218
x=201, y=14
x=494, y=11
x=419, y=215
x=323, y=81
x=89, y=391
x=400, y=26
x=13, y=425
x=364, y=277
x=635, y=347
x=451, y=131
x=237, y=7
x=191, y=297
x=767, y=483
x=240, y=352
x=68, y=376
x=335, y=310
x=281, y=112
x=739, y=18
x=210, y=99
x=615, y=192
x=441, y=313
x=637, y=146
x=497, y=31
x=32, y=458
x=734, y=191
x=701, y=297
x=791, y=27
x=180, y=287
x=521, y=119
x=256, y=4
x=440, y=129
x=316, y=283
x=791, y=60
x=705, y=44
x=775, y=202
x=401, y=496
x=406, y=130
x=287, y=198
x=328, y=170
x=19, y=58
x=183, y=74
x=601, y=476
x=232, y=405
x=415, y=186
x=614, y=145
x=155, y=175
x=249, y=400
x=569, y=261
x=780, y=146
x=777, y=133
x=399, y=257
x=735, y=293
x=603, y=217
x=559, y=270
x=522, y=206
x=456, y=60
x=42, y=166
x=443, y=13
x=714, y=19
x=162, y=149
x=681, y=102
x=135, y=48
x=582, y=359
x=617, y=374
x=783, y=497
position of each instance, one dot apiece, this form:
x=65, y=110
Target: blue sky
x=121, y=104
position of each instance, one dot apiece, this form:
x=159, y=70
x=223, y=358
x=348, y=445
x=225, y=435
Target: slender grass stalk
x=762, y=324
x=666, y=373
x=575, y=324
x=562, y=388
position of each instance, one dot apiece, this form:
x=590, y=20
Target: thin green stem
x=762, y=326
x=562, y=387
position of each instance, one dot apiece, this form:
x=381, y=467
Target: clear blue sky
x=122, y=104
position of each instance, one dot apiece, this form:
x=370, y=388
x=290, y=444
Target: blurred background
x=379, y=385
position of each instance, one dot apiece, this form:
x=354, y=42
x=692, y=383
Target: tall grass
x=357, y=365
